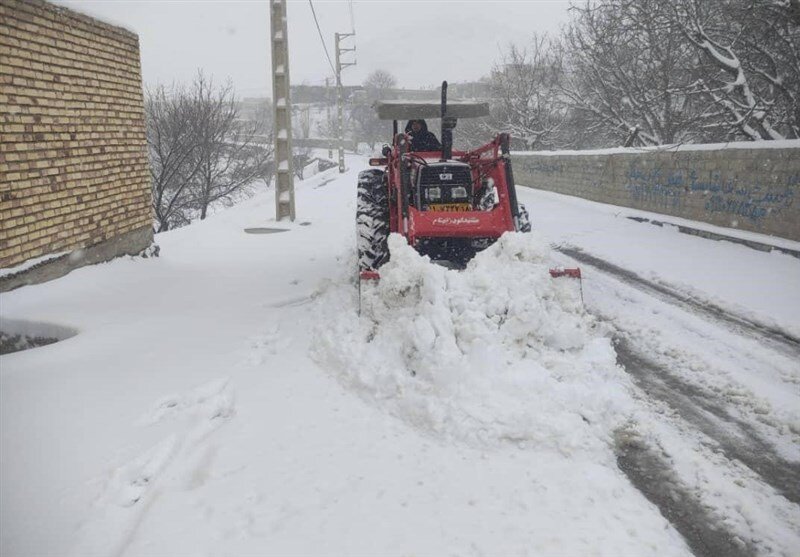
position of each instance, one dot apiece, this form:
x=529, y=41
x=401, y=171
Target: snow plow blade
x=575, y=273
x=563, y=272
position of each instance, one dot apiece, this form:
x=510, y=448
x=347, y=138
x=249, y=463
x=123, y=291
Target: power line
x=328, y=56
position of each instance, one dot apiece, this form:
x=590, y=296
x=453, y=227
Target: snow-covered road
x=227, y=399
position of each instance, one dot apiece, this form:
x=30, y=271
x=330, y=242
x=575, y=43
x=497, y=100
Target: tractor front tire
x=372, y=220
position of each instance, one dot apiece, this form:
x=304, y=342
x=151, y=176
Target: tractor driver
x=421, y=138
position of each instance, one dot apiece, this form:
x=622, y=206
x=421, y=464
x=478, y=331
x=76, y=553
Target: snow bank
x=30, y=263
x=498, y=353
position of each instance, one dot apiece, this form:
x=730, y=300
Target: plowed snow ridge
x=502, y=354
x=497, y=353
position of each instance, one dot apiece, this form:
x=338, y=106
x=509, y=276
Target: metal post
x=282, y=112
x=328, y=115
x=339, y=93
x=339, y=111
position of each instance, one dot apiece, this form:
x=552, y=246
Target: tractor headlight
x=459, y=192
x=434, y=193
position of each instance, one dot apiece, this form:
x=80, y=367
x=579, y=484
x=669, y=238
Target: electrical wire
x=328, y=56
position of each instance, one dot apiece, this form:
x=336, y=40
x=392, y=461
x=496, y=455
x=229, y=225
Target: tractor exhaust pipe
x=447, y=127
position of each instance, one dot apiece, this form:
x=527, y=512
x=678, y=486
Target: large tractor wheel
x=524, y=219
x=372, y=220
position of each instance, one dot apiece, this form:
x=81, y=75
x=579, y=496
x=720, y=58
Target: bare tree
x=201, y=151
x=301, y=156
x=380, y=81
x=302, y=116
x=172, y=145
x=526, y=94
x=231, y=153
x=328, y=126
x=260, y=120
x=368, y=128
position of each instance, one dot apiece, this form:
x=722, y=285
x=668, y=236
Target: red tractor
x=448, y=204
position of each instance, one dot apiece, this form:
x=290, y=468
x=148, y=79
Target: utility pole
x=282, y=112
x=339, y=101
x=328, y=115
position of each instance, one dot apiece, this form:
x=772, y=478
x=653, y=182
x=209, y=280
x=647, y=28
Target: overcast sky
x=420, y=42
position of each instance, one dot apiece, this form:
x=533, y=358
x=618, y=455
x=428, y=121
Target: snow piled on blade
x=498, y=353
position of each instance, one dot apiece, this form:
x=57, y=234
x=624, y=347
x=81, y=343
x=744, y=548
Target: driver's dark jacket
x=423, y=140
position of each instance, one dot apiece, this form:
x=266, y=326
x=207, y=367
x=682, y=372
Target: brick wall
x=754, y=189
x=73, y=157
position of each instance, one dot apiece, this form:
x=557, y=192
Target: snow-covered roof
x=405, y=110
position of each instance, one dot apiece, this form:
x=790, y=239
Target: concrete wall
x=73, y=154
x=749, y=188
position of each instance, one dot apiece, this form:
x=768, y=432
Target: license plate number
x=450, y=207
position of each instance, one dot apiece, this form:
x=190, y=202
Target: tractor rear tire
x=372, y=220
x=524, y=219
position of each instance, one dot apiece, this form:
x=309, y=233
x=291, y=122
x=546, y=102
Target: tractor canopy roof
x=407, y=110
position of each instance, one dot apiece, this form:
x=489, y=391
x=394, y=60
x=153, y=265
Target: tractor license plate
x=450, y=207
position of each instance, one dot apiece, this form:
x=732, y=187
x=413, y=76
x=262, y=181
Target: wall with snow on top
x=74, y=173
x=749, y=186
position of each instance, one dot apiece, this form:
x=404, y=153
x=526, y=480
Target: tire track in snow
x=777, y=338
x=651, y=473
x=178, y=462
x=735, y=438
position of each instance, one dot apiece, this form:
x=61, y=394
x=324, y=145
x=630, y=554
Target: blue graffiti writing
x=754, y=201
x=543, y=167
x=653, y=188
x=719, y=204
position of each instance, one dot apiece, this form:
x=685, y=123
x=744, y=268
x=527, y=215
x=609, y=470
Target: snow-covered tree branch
x=629, y=69
x=749, y=55
x=526, y=94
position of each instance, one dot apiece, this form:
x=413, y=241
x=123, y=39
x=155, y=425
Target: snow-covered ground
x=227, y=398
